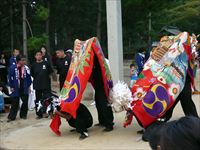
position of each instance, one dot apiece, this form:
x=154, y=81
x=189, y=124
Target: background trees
x=57, y=24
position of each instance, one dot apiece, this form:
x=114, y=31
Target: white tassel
x=121, y=96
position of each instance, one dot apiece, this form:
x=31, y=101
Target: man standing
x=19, y=82
x=62, y=65
x=40, y=72
x=12, y=60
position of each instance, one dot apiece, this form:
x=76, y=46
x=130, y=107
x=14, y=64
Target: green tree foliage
x=42, y=13
x=186, y=15
x=34, y=43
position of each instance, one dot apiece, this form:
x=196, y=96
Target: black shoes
x=140, y=132
x=108, y=129
x=72, y=130
x=99, y=125
x=83, y=135
x=9, y=120
x=38, y=117
x=24, y=117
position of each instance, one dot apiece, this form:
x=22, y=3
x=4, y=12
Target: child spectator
x=133, y=75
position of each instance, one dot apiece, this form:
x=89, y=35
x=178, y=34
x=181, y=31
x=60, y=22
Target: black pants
x=15, y=106
x=185, y=97
x=81, y=124
x=105, y=114
x=40, y=96
x=62, y=81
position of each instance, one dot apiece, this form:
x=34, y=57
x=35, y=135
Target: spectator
x=45, y=55
x=69, y=52
x=133, y=75
x=62, y=65
x=12, y=60
x=140, y=60
x=19, y=82
x=40, y=72
x=3, y=68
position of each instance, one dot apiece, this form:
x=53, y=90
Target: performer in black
x=62, y=65
x=40, y=72
x=82, y=122
x=105, y=114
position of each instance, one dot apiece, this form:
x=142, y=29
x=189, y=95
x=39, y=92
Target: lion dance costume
x=160, y=82
x=79, y=74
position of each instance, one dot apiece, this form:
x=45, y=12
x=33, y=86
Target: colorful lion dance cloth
x=161, y=80
x=79, y=73
x=78, y=76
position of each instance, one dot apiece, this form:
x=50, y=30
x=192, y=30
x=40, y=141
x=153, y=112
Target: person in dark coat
x=45, y=55
x=62, y=65
x=3, y=68
x=12, y=59
x=140, y=60
x=19, y=82
x=40, y=71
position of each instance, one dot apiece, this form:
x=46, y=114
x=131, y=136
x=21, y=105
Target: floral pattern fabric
x=162, y=78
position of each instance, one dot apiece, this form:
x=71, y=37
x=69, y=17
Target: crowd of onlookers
x=19, y=79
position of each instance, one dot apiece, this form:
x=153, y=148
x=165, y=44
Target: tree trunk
x=11, y=27
x=149, y=39
x=47, y=28
x=99, y=20
x=24, y=29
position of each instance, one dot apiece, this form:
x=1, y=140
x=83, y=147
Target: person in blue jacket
x=19, y=82
x=140, y=60
x=12, y=59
